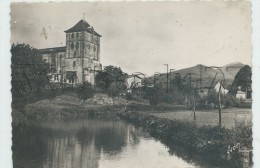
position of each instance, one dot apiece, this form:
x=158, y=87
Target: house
x=217, y=86
x=240, y=94
x=133, y=81
x=79, y=60
x=205, y=86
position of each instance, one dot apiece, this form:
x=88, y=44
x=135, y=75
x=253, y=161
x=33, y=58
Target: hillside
x=203, y=72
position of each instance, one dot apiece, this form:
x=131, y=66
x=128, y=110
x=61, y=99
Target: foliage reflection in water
x=92, y=143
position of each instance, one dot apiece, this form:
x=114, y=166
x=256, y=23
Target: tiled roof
x=82, y=25
x=52, y=50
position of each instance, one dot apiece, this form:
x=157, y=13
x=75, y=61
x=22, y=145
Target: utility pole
x=200, y=76
x=219, y=93
x=219, y=105
x=170, y=79
x=194, y=105
x=167, y=76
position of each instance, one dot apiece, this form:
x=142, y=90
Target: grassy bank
x=197, y=143
x=203, y=145
x=69, y=106
x=230, y=117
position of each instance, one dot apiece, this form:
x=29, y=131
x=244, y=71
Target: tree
x=85, y=91
x=155, y=95
x=243, y=80
x=29, y=71
x=109, y=75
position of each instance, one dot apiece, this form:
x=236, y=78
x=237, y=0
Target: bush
x=85, y=91
x=129, y=96
x=205, y=145
x=229, y=101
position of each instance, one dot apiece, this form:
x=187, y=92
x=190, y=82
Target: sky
x=142, y=36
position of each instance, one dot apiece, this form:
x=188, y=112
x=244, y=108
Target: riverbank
x=69, y=106
x=200, y=144
x=207, y=146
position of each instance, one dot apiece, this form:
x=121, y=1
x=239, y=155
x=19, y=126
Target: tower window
x=72, y=46
x=74, y=64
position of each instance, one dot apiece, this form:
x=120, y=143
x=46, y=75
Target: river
x=89, y=143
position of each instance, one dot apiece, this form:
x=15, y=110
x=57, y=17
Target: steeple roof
x=82, y=25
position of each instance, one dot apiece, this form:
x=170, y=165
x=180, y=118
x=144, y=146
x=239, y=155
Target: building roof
x=240, y=92
x=52, y=50
x=134, y=76
x=82, y=25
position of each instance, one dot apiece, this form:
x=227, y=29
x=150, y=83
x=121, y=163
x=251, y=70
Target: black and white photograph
x=142, y=84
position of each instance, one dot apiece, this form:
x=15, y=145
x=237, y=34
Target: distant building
x=133, y=81
x=240, y=94
x=205, y=86
x=79, y=60
x=223, y=90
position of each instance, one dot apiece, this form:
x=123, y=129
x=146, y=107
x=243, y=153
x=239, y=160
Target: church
x=79, y=60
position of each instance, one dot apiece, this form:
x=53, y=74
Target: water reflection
x=88, y=144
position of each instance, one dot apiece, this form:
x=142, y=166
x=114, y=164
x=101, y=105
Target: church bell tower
x=83, y=51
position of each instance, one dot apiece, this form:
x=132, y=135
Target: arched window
x=77, y=35
x=72, y=46
x=74, y=64
x=72, y=35
x=77, y=45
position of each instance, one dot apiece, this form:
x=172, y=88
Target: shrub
x=229, y=101
x=85, y=91
x=129, y=96
x=207, y=145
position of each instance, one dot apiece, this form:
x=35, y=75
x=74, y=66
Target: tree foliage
x=111, y=75
x=29, y=70
x=243, y=80
x=85, y=91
